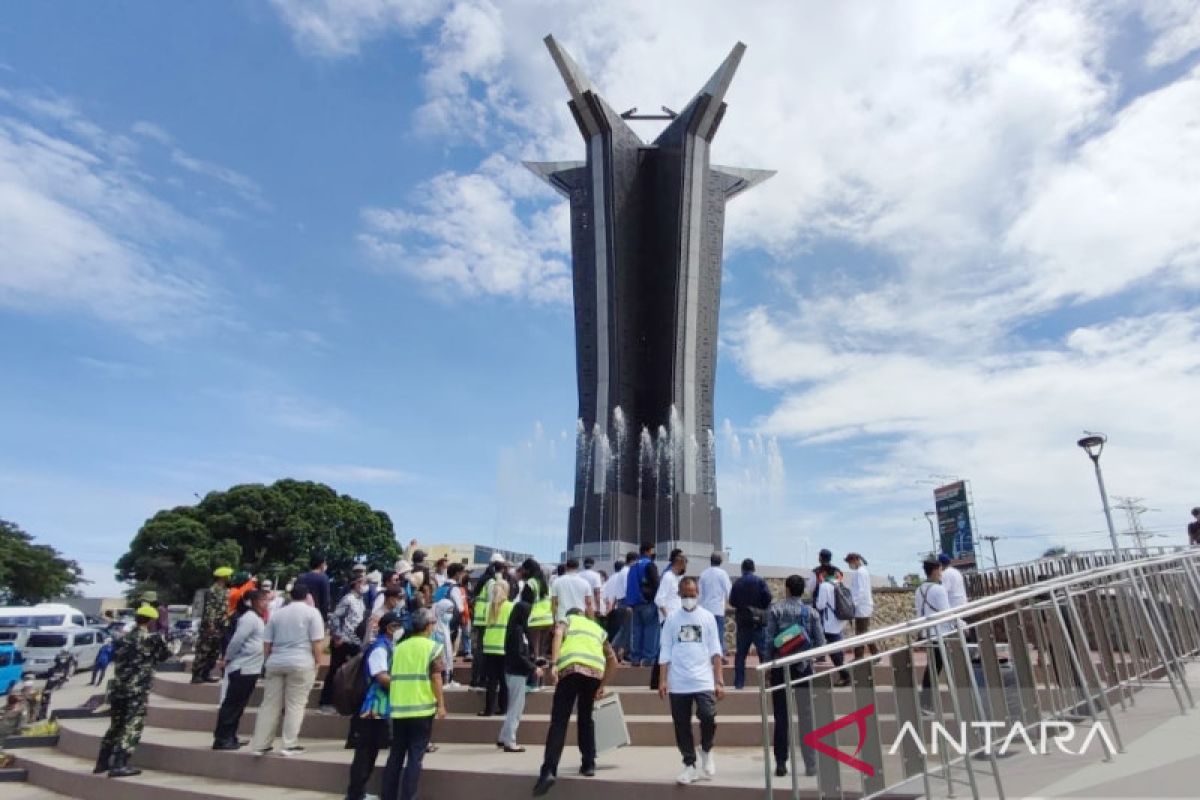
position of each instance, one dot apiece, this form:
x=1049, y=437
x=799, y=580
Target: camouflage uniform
x=134, y=657
x=212, y=629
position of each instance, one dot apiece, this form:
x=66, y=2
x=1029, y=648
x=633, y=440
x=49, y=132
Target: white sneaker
x=326, y=710
x=708, y=764
x=689, y=775
x=371, y=797
x=292, y=751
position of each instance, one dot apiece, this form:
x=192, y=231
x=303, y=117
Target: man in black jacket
x=749, y=599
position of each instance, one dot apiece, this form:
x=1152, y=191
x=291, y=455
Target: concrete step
x=181, y=767
x=645, y=731
x=635, y=700
x=71, y=776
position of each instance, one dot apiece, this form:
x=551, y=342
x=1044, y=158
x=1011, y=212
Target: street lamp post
x=930, y=516
x=1093, y=445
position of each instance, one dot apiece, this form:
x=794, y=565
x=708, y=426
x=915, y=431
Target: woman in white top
x=243, y=663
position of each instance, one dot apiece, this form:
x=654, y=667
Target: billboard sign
x=954, y=520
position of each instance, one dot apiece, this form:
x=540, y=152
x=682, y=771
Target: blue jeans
x=721, y=633
x=643, y=633
x=747, y=635
x=402, y=775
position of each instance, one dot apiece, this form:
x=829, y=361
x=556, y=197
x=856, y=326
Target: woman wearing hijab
x=519, y=667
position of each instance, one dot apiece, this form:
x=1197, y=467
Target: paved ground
x=1161, y=758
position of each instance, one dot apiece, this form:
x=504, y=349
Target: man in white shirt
x=825, y=603
x=294, y=638
x=864, y=602
x=571, y=591
x=667, y=597
x=929, y=599
x=690, y=667
x=715, y=587
x=953, y=582
x=594, y=580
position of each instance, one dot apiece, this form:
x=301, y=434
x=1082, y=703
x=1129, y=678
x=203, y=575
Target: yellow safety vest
x=582, y=643
x=493, y=637
x=542, y=613
x=481, y=604
x=411, y=693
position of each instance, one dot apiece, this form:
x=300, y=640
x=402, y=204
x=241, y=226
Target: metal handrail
x=957, y=613
x=1135, y=615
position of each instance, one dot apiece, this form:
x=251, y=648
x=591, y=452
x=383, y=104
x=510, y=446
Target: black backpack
x=350, y=686
x=843, y=602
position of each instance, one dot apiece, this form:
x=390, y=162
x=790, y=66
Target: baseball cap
x=497, y=558
x=222, y=572
x=149, y=612
x=943, y=559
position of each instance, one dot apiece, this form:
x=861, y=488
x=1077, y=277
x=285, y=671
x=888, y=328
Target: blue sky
x=256, y=240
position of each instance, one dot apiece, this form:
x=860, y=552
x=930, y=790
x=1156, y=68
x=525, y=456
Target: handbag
x=790, y=641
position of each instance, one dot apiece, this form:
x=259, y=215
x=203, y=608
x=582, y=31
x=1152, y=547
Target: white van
x=44, y=615
x=45, y=643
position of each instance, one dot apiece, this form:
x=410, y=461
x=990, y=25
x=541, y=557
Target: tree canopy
x=33, y=573
x=267, y=530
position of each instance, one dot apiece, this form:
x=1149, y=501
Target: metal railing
x=981, y=583
x=1077, y=646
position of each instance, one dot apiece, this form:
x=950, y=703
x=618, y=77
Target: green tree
x=269, y=529
x=33, y=573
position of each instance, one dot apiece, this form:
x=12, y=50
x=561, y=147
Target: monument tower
x=647, y=224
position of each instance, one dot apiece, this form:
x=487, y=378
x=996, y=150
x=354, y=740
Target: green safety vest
x=493, y=637
x=542, y=614
x=582, y=643
x=411, y=692
x=481, y=603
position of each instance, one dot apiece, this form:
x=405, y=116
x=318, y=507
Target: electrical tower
x=1133, y=508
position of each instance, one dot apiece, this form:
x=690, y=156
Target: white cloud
x=353, y=474
x=81, y=232
x=467, y=233
x=1177, y=25
x=336, y=28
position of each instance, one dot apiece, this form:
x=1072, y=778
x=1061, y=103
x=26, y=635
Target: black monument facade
x=647, y=224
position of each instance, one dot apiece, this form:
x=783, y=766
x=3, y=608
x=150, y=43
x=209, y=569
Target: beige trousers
x=286, y=691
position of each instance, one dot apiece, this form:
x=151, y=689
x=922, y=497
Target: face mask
x=689, y=603
x=398, y=635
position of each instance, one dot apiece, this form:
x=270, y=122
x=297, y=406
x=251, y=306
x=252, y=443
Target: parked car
x=12, y=667
x=43, y=615
x=44, y=645
x=14, y=636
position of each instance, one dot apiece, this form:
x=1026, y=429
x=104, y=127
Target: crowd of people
x=390, y=639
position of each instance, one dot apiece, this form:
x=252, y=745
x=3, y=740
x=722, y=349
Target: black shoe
x=810, y=772
x=588, y=770
x=197, y=679
x=211, y=679
x=781, y=769
x=843, y=682
x=483, y=714
x=120, y=767
x=102, y=760
x=543, y=785
x=226, y=745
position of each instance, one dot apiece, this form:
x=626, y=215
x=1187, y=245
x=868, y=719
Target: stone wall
x=892, y=605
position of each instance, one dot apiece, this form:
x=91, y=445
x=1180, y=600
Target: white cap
x=497, y=558
x=374, y=577
x=403, y=567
